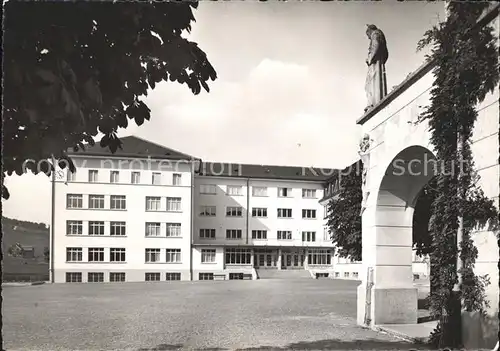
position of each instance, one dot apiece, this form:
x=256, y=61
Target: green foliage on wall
x=466, y=70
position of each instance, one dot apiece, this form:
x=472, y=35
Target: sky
x=290, y=86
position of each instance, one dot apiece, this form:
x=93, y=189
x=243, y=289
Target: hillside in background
x=31, y=263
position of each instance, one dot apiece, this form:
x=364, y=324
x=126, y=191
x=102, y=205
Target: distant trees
x=11, y=222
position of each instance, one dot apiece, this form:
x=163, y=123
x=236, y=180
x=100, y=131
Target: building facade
x=149, y=213
x=124, y=218
x=251, y=218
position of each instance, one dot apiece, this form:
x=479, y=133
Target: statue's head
x=366, y=137
x=370, y=28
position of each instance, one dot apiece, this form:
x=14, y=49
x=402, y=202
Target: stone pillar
x=387, y=249
x=252, y=257
x=306, y=259
x=279, y=259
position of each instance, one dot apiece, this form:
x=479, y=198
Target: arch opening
x=388, y=237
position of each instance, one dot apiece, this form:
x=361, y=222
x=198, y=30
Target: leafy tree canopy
x=73, y=69
x=344, y=220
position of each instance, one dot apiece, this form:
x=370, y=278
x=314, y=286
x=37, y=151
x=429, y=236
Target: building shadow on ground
x=331, y=344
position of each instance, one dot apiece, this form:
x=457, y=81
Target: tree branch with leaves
x=75, y=69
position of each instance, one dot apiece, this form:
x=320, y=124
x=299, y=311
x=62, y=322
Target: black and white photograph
x=250, y=175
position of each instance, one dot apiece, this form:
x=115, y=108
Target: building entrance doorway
x=265, y=259
x=292, y=260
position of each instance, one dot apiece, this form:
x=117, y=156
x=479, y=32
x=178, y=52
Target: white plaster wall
x=392, y=132
x=272, y=224
x=135, y=217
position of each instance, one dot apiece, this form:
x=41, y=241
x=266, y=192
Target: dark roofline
x=237, y=170
x=105, y=152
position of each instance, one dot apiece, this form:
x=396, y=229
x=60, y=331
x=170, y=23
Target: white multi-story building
x=149, y=213
x=124, y=217
x=250, y=218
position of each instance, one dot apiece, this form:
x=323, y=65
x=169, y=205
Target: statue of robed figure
x=376, y=82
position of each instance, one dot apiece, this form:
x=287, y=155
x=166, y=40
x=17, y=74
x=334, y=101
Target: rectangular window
x=325, y=211
x=207, y=233
x=74, y=201
x=118, y=202
x=319, y=257
x=309, y=193
x=259, y=212
x=308, y=214
x=233, y=233
x=284, y=192
x=153, y=255
x=174, y=204
x=238, y=256
x=118, y=228
x=326, y=234
x=235, y=276
x=337, y=274
x=74, y=254
x=116, y=277
x=346, y=274
x=152, y=277
x=234, y=190
x=309, y=236
x=207, y=211
x=173, y=276
x=117, y=255
x=210, y=189
x=153, y=229
x=284, y=213
x=93, y=176
x=74, y=227
x=205, y=276
x=259, y=191
x=96, y=228
x=259, y=234
x=73, y=277
x=355, y=275
x=173, y=256
x=284, y=235
x=156, y=180
x=96, y=254
x=114, y=177
x=96, y=201
x=207, y=255
x=234, y=211
x=173, y=229
x=176, y=179
x=135, y=177
x=70, y=176
x=153, y=203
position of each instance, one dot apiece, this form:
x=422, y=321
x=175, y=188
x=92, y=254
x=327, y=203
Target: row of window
x=135, y=177
x=119, y=202
x=257, y=212
x=96, y=254
x=98, y=277
x=174, y=230
x=355, y=275
x=237, y=190
x=210, y=233
x=153, y=229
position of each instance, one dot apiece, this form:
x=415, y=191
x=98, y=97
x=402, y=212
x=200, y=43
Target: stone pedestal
x=396, y=305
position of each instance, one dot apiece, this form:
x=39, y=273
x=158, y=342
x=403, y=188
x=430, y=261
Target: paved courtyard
x=207, y=315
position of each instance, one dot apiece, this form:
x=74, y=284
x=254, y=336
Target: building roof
x=133, y=146
x=219, y=169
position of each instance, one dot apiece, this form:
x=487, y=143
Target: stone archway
x=387, y=295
